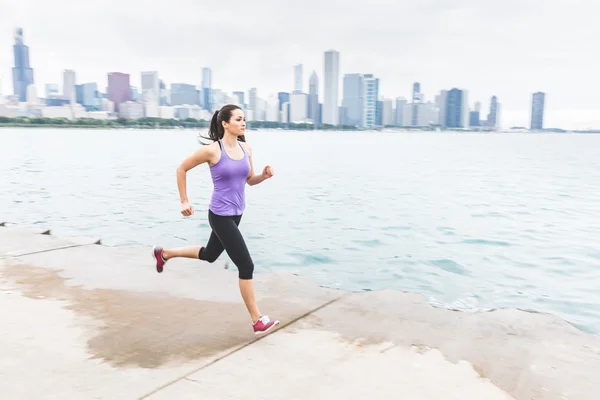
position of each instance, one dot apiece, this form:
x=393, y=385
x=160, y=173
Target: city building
x=353, y=100
x=330, y=114
x=313, y=99
x=22, y=71
x=119, y=89
x=183, y=94
x=538, y=104
x=69, y=86
x=150, y=83
x=207, y=100
x=371, y=98
x=456, y=109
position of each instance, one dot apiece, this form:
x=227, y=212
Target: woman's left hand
x=267, y=172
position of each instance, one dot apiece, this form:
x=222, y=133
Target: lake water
x=472, y=221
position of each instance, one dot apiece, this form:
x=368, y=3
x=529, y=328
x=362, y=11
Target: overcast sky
x=508, y=48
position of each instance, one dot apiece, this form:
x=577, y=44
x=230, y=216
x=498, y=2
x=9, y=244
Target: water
x=472, y=221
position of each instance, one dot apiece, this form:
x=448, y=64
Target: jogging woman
x=230, y=161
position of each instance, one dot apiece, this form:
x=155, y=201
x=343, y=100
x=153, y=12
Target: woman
x=230, y=160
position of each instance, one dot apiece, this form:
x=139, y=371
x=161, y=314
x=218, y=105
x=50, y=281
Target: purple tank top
x=229, y=181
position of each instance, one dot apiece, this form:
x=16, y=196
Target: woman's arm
x=252, y=178
x=200, y=156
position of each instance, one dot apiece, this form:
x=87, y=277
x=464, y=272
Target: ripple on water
x=446, y=230
x=396, y=228
x=449, y=266
x=560, y=261
x=492, y=214
x=311, y=259
x=369, y=243
x=487, y=242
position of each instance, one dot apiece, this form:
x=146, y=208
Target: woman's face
x=237, y=123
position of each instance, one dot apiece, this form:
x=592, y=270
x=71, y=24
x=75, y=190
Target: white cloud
x=509, y=48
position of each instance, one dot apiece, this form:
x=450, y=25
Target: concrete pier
x=81, y=320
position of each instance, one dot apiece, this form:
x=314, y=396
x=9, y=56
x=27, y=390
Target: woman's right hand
x=186, y=209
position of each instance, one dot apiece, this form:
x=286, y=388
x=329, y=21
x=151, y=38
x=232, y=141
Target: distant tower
x=330, y=111
x=416, y=98
x=69, y=90
x=457, y=110
x=492, y=119
x=22, y=72
x=370, y=97
x=207, y=89
x=537, y=110
x=313, y=98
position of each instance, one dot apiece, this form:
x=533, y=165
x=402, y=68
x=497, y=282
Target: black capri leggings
x=226, y=236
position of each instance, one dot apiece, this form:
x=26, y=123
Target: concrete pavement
x=81, y=320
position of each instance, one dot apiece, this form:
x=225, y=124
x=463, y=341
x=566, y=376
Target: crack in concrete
x=52, y=249
x=185, y=377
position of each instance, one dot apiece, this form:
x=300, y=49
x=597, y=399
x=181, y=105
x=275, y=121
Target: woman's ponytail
x=215, y=131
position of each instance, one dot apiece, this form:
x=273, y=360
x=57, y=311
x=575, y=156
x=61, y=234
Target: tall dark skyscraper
x=416, y=92
x=537, y=110
x=22, y=72
x=492, y=119
x=456, y=110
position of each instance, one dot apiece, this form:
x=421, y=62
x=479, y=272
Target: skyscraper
x=240, y=99
x=417, y=97
x=150, y=83
x=313, y=98
x=284, y=97
x=207, y=89
x=253, y=100
x=401, y=104
x=87, y=96
x=493, y=116
x=537, y=110
x=22, y=72
x=457, y=110
x=331, y=82
x=371, y=98
x=353, y=100
x=119, y=90
x=69, y=91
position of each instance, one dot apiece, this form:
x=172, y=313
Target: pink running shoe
x=264, y=325
x=157, y=253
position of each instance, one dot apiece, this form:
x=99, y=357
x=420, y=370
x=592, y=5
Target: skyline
x=496, y=68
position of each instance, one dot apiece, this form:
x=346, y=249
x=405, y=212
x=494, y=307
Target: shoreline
x=149, y=337
x=390, y=129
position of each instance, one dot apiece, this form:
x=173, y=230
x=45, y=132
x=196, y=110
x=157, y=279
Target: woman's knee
x=211, y=258
x=246, y=271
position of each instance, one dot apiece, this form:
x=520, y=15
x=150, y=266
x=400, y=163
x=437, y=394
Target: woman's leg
x=230, y=236
x=186, y=252
x=210, y=253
